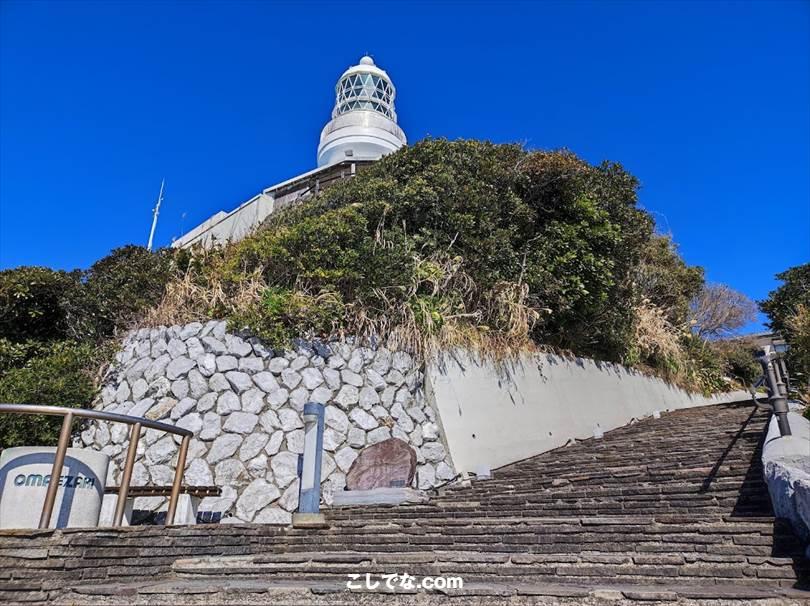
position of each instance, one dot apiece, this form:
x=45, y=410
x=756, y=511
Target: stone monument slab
x=390, y=463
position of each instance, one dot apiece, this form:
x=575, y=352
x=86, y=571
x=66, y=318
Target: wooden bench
x=187, y=507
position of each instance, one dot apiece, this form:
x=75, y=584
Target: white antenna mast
x=155, y=214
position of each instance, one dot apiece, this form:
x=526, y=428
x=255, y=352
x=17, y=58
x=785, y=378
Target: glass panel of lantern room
x=368, y=85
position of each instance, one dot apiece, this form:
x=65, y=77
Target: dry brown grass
x=191, y=299
x=443, y=309
x=654, y=336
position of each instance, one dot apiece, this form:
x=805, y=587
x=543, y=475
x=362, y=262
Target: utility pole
x=155, y=213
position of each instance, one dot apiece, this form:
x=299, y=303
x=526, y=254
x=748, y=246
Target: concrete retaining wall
x=786, y=461
x=492, y=416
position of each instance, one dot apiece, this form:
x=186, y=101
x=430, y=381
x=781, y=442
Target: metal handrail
x=64, y=438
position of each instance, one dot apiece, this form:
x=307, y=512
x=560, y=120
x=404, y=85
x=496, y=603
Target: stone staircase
x=669, y=509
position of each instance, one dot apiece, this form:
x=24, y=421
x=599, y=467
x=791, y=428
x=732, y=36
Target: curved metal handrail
x=64, y=438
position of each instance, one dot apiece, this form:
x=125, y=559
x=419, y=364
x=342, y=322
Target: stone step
x=671, y=509
x=229, y=590
x=475, y=566
x=756, y=506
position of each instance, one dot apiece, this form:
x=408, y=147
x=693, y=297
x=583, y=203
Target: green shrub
x=37, y=303
x=782, y=302
x=666, y=281
x=797, y=332
x=282, y=315
x=739, y=359
x=787, y=310
x=557, y=233
x=706, y=368
x=14, y=355
x=40, y=304
x=54, y=326
x=61, y=375
x=122, y=286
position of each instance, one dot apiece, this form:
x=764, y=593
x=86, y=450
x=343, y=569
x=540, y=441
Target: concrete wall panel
x=493, y=415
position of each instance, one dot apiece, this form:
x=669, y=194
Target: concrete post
x=309, y=495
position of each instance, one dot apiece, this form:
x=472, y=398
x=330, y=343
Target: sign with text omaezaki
x=25, y=474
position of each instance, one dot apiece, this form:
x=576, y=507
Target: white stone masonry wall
x=244, y=403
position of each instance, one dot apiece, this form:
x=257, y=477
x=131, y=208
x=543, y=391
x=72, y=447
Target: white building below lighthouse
x=363, y=128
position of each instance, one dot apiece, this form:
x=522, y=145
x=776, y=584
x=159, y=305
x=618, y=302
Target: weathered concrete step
x=690, y=483
x=547, y=524
x=334, y=593
x=633, y=474
x=501, y=493
x=528, y=539
x=477, y=509
x=481, y=566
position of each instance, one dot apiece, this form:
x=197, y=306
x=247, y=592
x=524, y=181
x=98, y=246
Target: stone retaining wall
x=243, y=401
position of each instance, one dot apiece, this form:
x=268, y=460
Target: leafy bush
x=443, y=242
x=61, y=375
x=281, y=315
x=14, y=355
x=464, y=243
x=119, y=288
x=705, y=368
x=37, y=303
x=797, y=327
x=739, y=358
x=782, y=302
x=665, y=281
x=787, y=309
x=54, y=326
x=40, y=304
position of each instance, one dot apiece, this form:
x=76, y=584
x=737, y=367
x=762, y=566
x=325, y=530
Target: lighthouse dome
x=364, y=121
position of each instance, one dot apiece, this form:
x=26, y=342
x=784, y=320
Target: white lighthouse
x=363, y=129
x=364, y=122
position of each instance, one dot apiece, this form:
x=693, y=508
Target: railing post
x=178, y=480
x=777, y=400
x=123, y=491
x=780, y=382
x=56, y=471
x=785, y=375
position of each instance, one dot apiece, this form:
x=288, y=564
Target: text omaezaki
x=36, y=479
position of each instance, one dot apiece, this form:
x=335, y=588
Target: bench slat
x=166, y=491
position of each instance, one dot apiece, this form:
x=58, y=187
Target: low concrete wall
x=495, y=415
x=786, y=461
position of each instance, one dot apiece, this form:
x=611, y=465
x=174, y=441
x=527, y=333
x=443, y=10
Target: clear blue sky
x=707, y=103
